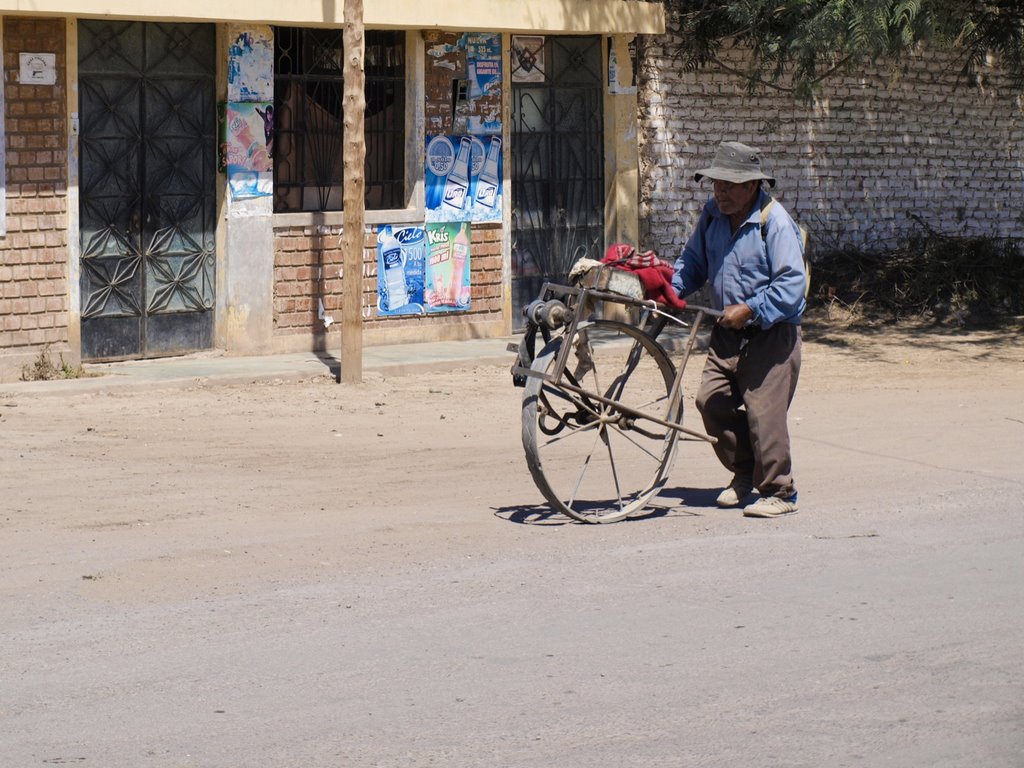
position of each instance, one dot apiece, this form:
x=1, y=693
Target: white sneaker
x=738, y=490
x=771, y=506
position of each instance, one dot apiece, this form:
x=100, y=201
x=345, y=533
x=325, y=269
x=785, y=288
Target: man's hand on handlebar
x=736, y=316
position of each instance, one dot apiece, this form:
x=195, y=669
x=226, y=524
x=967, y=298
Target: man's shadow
x=691, y=499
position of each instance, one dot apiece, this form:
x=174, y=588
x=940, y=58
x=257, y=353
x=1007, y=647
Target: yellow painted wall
x=533, y=16
x=621, y=206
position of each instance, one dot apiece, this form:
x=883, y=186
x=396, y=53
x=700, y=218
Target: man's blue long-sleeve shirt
x=742, y=268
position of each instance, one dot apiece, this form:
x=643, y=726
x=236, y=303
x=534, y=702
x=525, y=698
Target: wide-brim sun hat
x=737, y=163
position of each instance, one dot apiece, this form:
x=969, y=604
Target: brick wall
x=307, y=266
x=439, y=72
x=862, y=166
x=34, y=252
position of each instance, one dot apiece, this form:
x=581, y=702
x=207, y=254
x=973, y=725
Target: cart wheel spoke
x=615, y=473
x=583, y=469
x=640, y=446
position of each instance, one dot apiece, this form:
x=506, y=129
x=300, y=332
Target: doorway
x=147, y=172
x=557, y=167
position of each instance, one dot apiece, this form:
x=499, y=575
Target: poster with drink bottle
x=248, y=142
x=447, y=279
x=463, y=178
x=401, y=268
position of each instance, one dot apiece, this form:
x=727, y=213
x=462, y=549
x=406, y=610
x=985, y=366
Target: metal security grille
x=557, y=166
x=147, y=197
x=308, y=119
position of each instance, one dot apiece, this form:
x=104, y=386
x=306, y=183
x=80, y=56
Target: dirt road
x=309, y=574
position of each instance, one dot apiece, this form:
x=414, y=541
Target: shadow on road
x=670, y=501
x=531, y=514
x=690, y=497
x=333, y=364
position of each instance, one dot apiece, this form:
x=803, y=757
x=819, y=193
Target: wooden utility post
x=354, y=200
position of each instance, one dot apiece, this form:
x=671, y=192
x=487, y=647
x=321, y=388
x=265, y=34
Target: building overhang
x=520, y=16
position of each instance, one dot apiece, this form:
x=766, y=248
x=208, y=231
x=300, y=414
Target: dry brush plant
x=930, y=276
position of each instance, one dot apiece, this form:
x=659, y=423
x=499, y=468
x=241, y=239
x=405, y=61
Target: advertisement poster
x=527, y=59
x=251, y=64
x=401, y=266
x=447, y=278
x=463, y=178
x=3, y=166
x=249, y=140
x=483, y=75
x=465, y=74
x=621, y=68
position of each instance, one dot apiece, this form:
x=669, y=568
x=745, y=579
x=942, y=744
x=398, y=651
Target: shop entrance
x=557, y=165
x=147, y=165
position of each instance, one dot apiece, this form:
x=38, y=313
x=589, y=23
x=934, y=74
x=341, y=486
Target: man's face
x=735, y=198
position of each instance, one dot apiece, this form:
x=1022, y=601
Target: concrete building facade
x=149, y=212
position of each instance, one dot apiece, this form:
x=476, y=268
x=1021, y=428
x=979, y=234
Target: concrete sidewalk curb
x=216, y=369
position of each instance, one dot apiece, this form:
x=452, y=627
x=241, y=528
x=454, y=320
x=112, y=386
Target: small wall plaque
x=38, y=68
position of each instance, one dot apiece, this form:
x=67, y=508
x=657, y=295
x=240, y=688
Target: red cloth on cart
x=655, y=274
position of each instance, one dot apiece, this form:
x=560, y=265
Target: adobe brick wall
x=307, y=266
x=865, y=163
x=34, y=252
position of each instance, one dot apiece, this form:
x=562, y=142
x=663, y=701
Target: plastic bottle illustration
x=487, y=185
x=457, y=185
x=394, y=273
x=460, y=253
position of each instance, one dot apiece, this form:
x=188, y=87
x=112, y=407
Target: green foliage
x=802, y=42
x=961, y=280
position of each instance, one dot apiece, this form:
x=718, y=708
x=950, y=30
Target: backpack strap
x=764, y=218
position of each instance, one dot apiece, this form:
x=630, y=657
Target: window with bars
x=308, y=119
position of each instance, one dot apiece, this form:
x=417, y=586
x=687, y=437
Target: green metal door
x=147, y=165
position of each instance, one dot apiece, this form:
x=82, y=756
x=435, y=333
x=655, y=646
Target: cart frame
x=564, y=397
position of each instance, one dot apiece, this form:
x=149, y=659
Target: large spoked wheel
x=593, y=461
